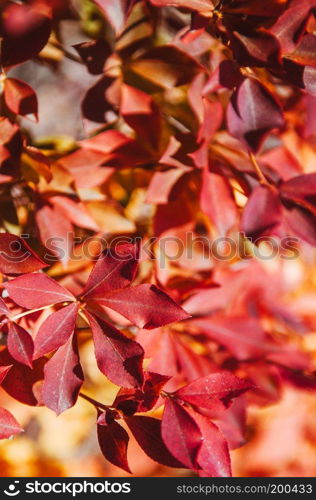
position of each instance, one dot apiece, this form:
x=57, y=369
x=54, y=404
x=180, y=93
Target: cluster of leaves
x=201, y=113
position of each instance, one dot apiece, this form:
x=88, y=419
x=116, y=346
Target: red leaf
x=115, y=268
x=76, y=212
x=261, y=49
x=100, y=99
x=113, y=441
x=63, y=378
x=131, y=401
x=116, y=11
x=141, y=113
x=161, y=185
x=230, y=332
x=207, y=392
x=37, y=290
x=8, y=425
x=55, y=330
x=304, y=53
x=118, y=357
x=20, y=98
x=291, y=25
x=56, y=232
x=147, y=432
x=16, y=257
x=213, y=457
x=263, y=212
x=252, y=113
x=217, y=202
x=144, y=305
x=181, y=434
x=20, y=344
x=300, y=189
x=25, y=31
x=302, y=223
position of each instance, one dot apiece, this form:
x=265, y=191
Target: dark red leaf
x=252, y=112
x=55, y=330
x=25, y=31
x=100, y=98
x=8, y=425
x=94, y=54
x=144, y=305
x=115, y=268
x=300, y=189
x=259, y=49
x=20, y=380
x=16, y=257
x=147, y=432
x=181, y=434
x=20, y=344
x=63, y=378
x=141, y=113
x=263, y=212
x=4, y=370
x=113, y=441
x=37, y=290
x=118, y=357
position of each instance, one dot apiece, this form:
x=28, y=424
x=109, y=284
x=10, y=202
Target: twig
x=258, y=170
x=94, y=402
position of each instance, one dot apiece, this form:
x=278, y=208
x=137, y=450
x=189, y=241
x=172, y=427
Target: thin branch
x=66, y=52
x=258, y=170
x=94, y=402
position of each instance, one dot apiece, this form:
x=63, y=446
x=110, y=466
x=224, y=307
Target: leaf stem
x=258, y=170
x=94, y=402
x=26, y=313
